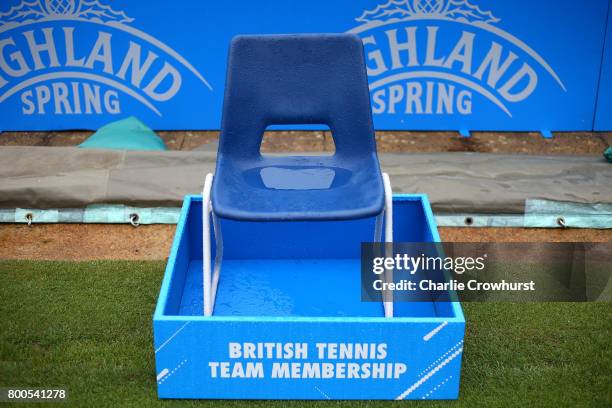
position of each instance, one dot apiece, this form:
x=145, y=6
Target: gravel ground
x=152, y=242
x=580, y=143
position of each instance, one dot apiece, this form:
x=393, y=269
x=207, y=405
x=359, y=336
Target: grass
x=87, y=326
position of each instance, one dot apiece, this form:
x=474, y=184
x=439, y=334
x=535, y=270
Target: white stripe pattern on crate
x=162, y=374
x=322, y=393
x=169, y=374
x=436, y=387
x=441, y=357
x=427, y=376
x=435, y=331
x=171, y=337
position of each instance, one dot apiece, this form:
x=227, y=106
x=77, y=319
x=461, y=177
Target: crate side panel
x=197, y=355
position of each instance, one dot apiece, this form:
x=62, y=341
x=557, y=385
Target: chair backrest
x=296, y=79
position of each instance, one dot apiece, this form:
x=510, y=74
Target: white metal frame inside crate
x=211, y=278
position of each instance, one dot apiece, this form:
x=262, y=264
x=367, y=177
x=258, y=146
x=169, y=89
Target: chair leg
x=218, y=258
x=206, y=245
x=378, y=223
x=388, y=296
x=210, y=283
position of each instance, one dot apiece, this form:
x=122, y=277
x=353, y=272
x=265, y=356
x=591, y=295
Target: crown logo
x=459, y=10
x=40, y=10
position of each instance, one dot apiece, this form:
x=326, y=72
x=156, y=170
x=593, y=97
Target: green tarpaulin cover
x=125, y=134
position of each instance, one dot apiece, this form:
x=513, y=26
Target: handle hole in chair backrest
x=294, y=142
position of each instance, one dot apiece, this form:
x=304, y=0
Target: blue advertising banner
x=603, y=115
x=432, y=64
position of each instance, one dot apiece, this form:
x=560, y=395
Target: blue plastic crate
x=289, y=322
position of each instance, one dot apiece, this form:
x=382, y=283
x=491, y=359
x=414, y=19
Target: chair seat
x=298, y=188
x=297, y=79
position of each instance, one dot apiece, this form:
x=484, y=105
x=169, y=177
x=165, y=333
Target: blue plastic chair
x=297, y=79
x=294, y=79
